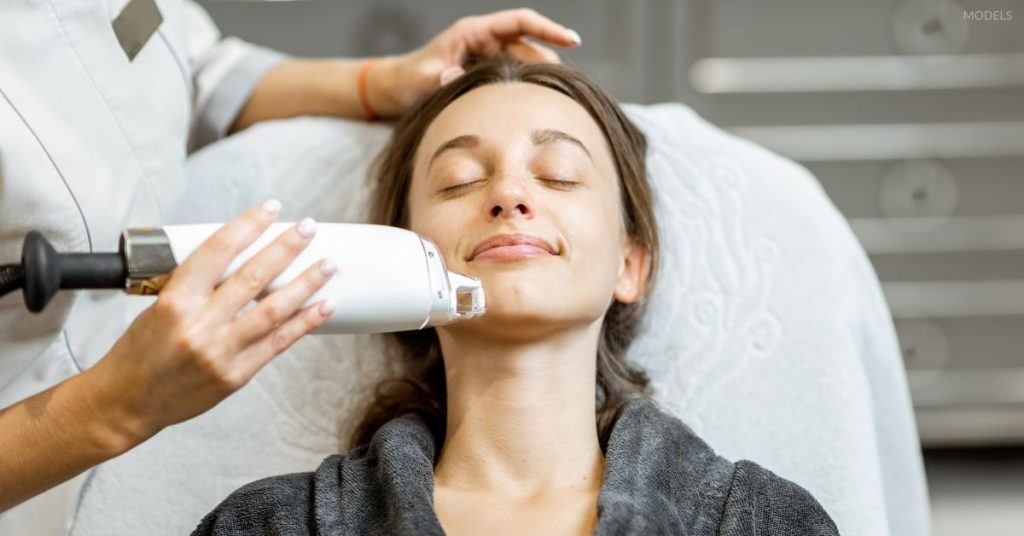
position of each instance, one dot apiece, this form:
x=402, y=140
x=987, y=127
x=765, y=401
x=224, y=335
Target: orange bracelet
x=364, y=69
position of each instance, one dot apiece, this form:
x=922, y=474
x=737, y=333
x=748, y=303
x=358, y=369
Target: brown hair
x=423, y=390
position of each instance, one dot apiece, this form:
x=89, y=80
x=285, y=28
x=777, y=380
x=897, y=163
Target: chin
x=509, y=326
x=524, y=316
x=526, y=300
x=522, y=306
x=520, y=278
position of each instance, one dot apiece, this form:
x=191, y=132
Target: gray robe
x=659, y=478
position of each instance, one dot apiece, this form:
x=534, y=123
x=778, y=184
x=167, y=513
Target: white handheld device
x=388, y=279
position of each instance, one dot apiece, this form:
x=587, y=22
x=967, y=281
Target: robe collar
x=658, y=477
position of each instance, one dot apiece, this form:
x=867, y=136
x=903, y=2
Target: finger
x=531, y=52
x=286, y=334
x=281, y=304
x=254, y=276
x=201, y=270
x=450, y=74
x=513, y=23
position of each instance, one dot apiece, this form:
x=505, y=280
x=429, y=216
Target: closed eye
x=458, y=187
x=555, y=183
x=561, y=184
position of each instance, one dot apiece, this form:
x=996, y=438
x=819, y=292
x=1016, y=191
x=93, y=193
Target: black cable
x=12, y=277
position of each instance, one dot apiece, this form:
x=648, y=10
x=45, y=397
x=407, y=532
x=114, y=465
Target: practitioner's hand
x=191, y=349
x=402, y=80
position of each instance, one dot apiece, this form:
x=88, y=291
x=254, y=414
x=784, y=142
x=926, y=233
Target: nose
x=509, y=196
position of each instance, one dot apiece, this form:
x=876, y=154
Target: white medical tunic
x=91, y=142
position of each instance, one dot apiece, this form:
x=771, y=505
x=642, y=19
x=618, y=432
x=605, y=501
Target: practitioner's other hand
x=397, y=82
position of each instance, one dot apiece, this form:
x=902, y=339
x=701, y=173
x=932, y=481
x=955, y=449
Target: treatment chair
x=768, y=333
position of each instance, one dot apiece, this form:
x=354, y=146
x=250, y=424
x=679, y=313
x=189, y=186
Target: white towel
x=768, y=334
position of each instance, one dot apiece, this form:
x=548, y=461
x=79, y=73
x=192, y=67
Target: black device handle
x=46, y=271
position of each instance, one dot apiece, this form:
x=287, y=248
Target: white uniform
x=91, y=142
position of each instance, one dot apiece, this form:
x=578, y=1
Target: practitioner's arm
x=297, y=87
x=179, y=358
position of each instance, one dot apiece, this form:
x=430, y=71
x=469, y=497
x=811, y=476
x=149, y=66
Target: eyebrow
x=548, y=135
x=538, y=137
x=459, y=142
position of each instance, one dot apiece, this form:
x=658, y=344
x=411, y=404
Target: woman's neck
x=521, y=417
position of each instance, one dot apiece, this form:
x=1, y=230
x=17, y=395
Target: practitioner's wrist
x=386, y=92
x=110, y=418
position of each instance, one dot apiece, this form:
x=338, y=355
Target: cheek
x=421, y=219
x=443, y=225
x=593, y=234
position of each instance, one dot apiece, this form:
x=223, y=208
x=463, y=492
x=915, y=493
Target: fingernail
x=450, y=74
x=574, y=36
x=328, y=267
x=272, y=206
x=307, y=227
x=327, y=307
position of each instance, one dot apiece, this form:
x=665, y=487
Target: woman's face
x=516, y=184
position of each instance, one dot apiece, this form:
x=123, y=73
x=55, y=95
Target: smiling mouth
x=510, y=247
x=511, y=253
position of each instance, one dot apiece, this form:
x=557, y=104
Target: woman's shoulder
x=762, y=502
x=342, y=486
x=281, y=504
x=712, y=492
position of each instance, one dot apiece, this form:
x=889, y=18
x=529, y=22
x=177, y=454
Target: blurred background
x=909, y=112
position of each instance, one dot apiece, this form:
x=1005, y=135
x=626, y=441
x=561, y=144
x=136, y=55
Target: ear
x=632, y=279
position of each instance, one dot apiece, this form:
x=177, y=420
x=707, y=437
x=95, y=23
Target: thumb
x=451, y=73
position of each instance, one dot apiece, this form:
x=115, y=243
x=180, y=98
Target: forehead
x=509, y=113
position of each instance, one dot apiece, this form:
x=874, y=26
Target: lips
x=518, y=244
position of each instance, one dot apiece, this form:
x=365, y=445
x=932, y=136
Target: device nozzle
x=467, y=296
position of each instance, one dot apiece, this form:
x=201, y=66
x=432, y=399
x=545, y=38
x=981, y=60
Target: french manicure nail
x=328, y=267
x=272, y=206
x=450, y=74
x=327, y=307
x=574, y=36
x=307, y=227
